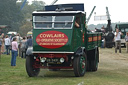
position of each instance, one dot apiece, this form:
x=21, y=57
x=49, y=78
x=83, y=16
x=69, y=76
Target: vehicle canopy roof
x=61, y=9
x=29, y=32
x=56, y=13
x=11, y=32
x=122, y=25
x=64, y=7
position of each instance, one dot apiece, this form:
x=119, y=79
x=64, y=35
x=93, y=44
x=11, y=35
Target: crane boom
x=109, y=27
x=90, y=14
x=54, y=2
x=107, y=13
x=22, y=6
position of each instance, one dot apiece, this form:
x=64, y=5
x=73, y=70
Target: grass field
x=113, y=70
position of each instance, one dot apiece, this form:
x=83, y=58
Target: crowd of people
x=18, y=45
x=15, y=44
x=117, y=39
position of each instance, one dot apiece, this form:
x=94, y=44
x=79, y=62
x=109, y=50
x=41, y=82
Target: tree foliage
x=10, y=14
x=38, y=5
x=27, y=13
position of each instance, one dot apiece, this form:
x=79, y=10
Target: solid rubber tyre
x=31, y=71
x=88, y=65
x=80, y=65
x=94, y=63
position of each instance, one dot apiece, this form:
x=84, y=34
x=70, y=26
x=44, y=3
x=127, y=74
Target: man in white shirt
x=118, y=40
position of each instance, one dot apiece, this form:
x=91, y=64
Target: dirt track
x=113, y=70
x=110, y=60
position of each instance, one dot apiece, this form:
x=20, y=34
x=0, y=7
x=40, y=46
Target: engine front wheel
x=31, y=70
x=79, y=65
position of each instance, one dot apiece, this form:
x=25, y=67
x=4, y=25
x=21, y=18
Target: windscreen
x=53, y=22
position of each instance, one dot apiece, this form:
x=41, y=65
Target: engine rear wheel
x=79, y=65
x=94, y=63
x=31, y=70
x=88, y=65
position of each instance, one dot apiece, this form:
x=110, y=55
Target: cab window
x=53, y=22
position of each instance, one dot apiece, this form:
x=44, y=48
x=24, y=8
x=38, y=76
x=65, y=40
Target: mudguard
x=96, y=51
x=29, y=51
x=80, y=51
x=91, y=54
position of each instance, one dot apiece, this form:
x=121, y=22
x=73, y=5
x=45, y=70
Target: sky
x=117, y=9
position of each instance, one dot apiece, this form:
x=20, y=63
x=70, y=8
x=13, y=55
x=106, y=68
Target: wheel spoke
x=79, y=65
x=82, y=63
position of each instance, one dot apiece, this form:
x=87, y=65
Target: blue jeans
x=7, y=49
x=14, y=55
x=102, y=44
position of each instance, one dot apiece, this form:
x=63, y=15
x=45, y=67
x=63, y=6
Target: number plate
x=52, y=60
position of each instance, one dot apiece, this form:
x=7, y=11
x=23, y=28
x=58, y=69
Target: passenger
x=118, y=40
x=77, y=25
x=14, y=51
x=77, y=22
x=126, y=39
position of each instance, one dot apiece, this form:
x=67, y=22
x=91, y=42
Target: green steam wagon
x=62, y=41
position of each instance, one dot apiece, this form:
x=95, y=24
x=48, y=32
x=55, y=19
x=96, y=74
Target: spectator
x=14, y=51
x=18, y=39
x=103, y=43
x=7, y=44
x=103, y=29
x=11, y=37
x=118, y=40
x=29, y=42
x=3, y=45
x=0, y=44
x=19, y=43
x=23, y=48
x=126, y=39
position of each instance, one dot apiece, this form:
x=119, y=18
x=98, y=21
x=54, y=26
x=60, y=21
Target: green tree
x=38, y=5
x=25, y=28
x=27, y=13
x=10, y=14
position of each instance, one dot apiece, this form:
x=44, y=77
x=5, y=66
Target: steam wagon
x=62, y=41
